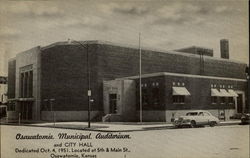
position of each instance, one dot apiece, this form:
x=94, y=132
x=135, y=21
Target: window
x=206, y=114
x=156, y=96
x=230, y=100
x=191, y=114
x=178, y=99
x=201, y=114
x=11, y=106
x=157, y=84
x=222, y=100
x=145, y=97
x=213, y=100
x=26, y=84
x=113, y=103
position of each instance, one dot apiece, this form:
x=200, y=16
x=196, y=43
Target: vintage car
x=245, y=119
x=196, y=118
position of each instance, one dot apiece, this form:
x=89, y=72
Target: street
x=208, y=142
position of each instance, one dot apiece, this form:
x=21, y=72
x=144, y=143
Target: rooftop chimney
x=224, y=48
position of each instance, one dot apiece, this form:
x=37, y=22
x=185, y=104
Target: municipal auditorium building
x=54, y=80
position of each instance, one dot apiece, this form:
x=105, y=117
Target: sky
x=163, y=24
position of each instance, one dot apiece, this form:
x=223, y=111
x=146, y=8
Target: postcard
x=124, y=79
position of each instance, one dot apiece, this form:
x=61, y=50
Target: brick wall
x=199, y=88
x=121, y=61
x=64, y=77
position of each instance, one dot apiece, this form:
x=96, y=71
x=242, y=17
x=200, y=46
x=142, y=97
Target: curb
x=166, y=127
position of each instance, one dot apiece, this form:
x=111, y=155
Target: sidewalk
x=111, y=126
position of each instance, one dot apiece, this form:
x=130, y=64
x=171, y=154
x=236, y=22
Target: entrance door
x=239, y=104
x=26, y=110
x=113, y=103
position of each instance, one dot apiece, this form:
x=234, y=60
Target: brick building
x=54, y=78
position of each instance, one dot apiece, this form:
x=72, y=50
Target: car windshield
x=191, y=114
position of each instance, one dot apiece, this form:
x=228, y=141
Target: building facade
x=3, y=96
x=3, y=90
x=44, y=81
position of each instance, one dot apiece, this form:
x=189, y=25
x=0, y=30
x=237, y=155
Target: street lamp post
x=52, y=110
x=86, y=46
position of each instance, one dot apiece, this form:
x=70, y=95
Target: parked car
x=196, y=118
x=236, y=116
x=245, y=119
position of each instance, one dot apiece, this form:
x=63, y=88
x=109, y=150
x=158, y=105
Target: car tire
x=212, y=124
x=177, y=126
x=193, y=124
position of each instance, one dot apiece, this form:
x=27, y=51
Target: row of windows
x=153, y=97
x=214, y=100
x=221, y=86
x=183, y=84
x=26, y=84
x=222, y=100
x=178, y=84
x=154, y=84
x=3, y=82
x=178, y=99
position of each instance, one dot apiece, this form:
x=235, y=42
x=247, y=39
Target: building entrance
x=113, y=103
x=239, y=104
x=26, y=110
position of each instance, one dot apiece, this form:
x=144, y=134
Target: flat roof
x=198, y=47
x=182, y=75
x=175, y=52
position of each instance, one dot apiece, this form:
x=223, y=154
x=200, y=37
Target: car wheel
x=193, y=124
x=212, y=124
x=177, y=126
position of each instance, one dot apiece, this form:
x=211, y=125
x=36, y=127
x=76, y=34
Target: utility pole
x=86, y=46
x=140, y=77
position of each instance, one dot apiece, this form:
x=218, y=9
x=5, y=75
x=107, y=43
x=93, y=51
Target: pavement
x=108, y=126
x=209, y=142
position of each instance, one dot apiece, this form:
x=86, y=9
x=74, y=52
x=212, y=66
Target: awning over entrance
x=224, y=93
x=180, y=91
x=215, y=93
x=232, y=93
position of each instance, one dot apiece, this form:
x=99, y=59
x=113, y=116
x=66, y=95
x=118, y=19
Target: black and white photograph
x=124, y=79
